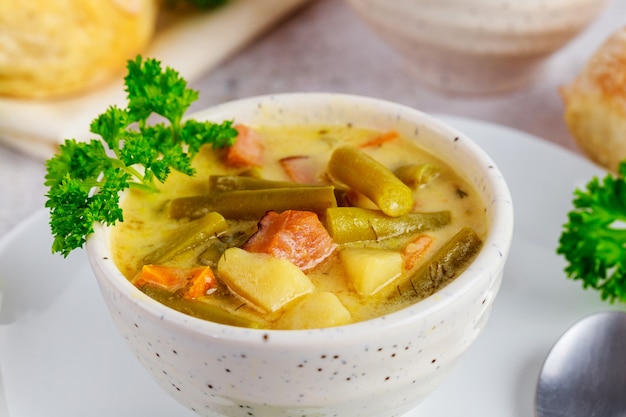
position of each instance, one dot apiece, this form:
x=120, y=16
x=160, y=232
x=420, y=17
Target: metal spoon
x=584, y=374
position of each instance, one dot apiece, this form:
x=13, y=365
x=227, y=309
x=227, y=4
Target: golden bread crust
x=53, y=48
x=595, y=103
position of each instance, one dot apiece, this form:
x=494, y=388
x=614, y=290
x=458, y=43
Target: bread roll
x=595, y=103
x=52, y=48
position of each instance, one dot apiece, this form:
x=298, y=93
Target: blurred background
x=307, y=45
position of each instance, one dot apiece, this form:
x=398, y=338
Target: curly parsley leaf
x=593, y=241
x=153, y=90
x=86, y=178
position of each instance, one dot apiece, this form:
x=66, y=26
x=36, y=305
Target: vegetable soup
x=301, y=227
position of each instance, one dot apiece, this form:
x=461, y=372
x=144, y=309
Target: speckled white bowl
x=478, y=46
x=378, y=368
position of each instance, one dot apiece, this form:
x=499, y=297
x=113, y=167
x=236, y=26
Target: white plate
x=61, y=357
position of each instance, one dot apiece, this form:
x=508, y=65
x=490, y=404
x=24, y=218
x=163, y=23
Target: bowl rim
x=492, y=255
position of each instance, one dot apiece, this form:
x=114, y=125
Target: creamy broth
x=147, y=224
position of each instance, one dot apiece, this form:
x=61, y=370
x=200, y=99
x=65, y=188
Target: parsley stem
x=150, y=188
x=141, y=182
x=133, y=172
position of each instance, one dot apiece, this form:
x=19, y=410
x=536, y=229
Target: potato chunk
x=315, y=310
x=370, y=269
x=267, y=282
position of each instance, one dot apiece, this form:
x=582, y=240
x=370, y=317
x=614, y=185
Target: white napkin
x=192, y=46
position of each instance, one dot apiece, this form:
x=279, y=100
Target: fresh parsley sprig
x=593, y=241
x=86, y=178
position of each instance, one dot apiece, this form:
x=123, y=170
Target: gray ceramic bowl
x=377, y=368
x=478, y=46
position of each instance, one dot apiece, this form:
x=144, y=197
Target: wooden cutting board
x=192, y=45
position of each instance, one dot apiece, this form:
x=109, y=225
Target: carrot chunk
x=194, y=282
x=203, y=282
x=380, y=139
x=166, y=277
x=295, y=235
x=247, y=151
x=414, y=250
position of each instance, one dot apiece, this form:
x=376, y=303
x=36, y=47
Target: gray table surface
x=326, y=47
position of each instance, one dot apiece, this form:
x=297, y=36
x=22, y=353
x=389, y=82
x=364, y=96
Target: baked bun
x=595, y=103
x=52, y=48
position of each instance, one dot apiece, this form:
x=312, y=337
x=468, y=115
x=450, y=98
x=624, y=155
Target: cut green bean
x=354, y=224
x=445, y=265
x=238, y=182
x=200, y=309
x=210, y=256
x=417, y=175
x=364, y=174
x=238, y=233
x=253, y=204
x=188, y=237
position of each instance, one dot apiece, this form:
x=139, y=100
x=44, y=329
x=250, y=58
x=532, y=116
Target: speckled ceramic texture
x=378, y=368
x=478, y=46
